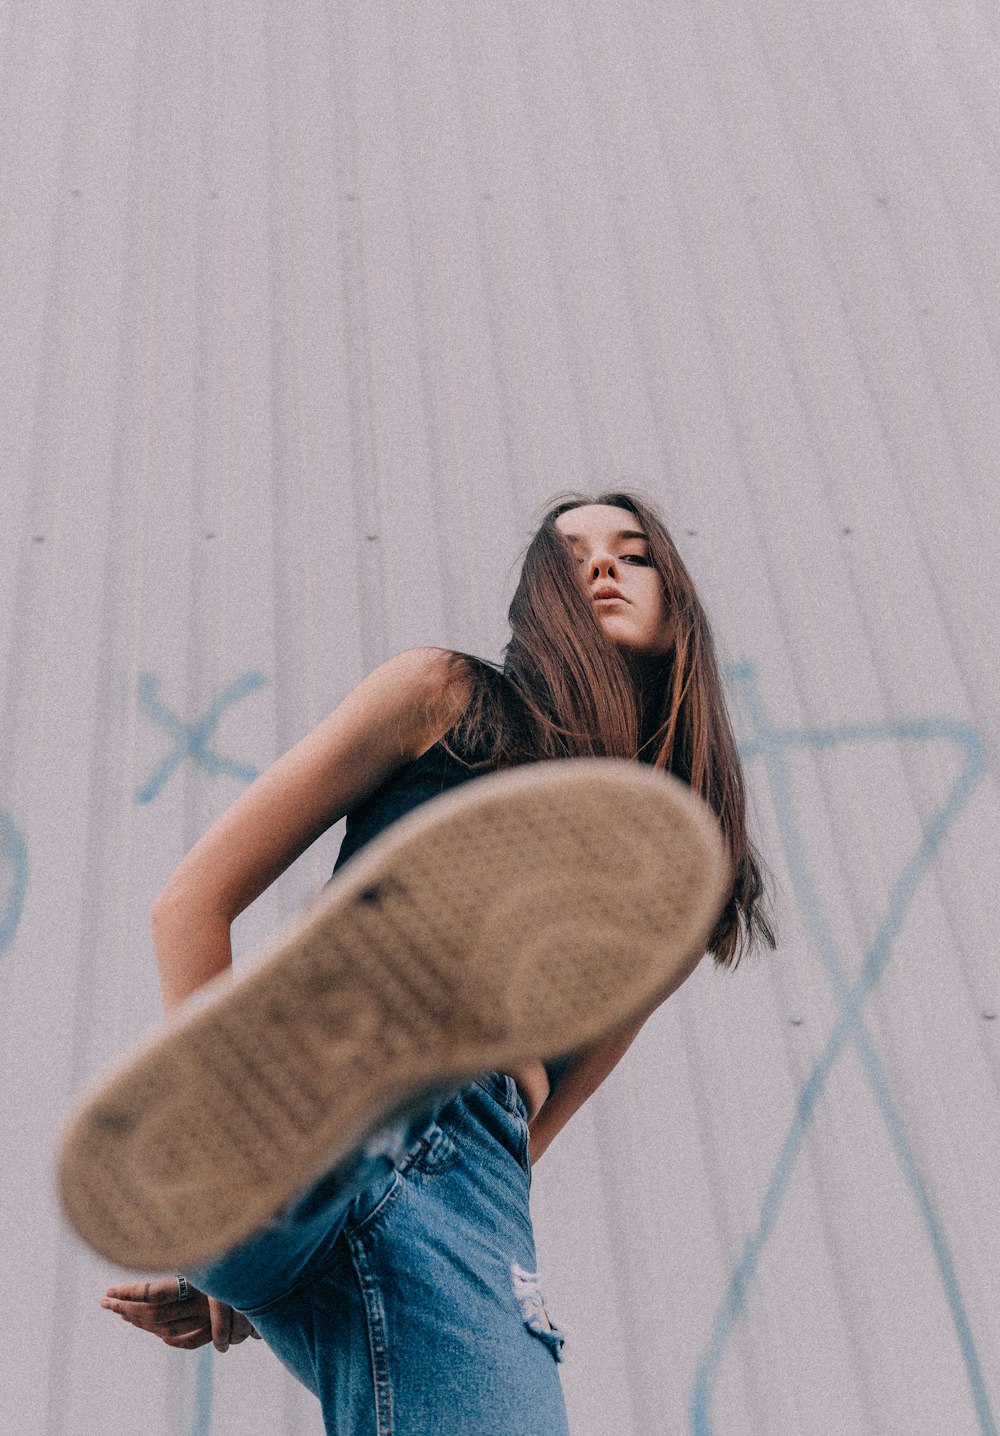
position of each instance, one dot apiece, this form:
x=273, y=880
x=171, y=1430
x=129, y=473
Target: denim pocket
x=504, y=1090
x=500, y=1108
x=524, y=1151
x=435, y=1151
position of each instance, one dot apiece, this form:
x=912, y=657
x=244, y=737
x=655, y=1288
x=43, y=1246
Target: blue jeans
x=401, y=1288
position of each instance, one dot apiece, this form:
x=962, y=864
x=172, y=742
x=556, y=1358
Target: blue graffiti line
x=191, y=739
x=203, y=1393
x=772, y=745
x=13, y=855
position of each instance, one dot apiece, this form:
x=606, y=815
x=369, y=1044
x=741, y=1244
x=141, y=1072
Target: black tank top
x=414, y=783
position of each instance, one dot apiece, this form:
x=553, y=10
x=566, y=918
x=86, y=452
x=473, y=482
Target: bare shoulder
x=389, y=718
x=419, y=693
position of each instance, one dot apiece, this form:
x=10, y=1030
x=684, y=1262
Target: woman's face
x=612, y=553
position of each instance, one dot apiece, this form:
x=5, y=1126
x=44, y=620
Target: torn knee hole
x=527, y=1289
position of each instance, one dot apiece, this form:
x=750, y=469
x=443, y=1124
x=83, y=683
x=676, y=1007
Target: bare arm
x=389, y=718
x=589, y=1068
x=582, y=1077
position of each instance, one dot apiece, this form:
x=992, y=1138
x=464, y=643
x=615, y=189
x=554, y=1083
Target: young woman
x=401, y=1287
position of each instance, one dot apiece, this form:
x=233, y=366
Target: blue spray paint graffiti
x=191, y=739
x=772, y=745
x=203, y=1392
x=13, y=857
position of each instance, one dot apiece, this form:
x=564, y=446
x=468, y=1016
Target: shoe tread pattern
x=520, y=916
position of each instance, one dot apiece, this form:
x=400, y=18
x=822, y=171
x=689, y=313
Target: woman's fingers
x=160, y=1289
x=153, y=1306
x=241, y=1329
x=143, y=1313
x=192, y=1341
x=222, y=1324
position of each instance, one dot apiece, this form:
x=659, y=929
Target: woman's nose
x=603, y=566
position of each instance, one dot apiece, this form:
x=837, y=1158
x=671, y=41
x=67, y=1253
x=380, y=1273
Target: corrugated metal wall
x=306, y=309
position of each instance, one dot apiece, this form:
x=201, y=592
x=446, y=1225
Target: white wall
x=306, y=310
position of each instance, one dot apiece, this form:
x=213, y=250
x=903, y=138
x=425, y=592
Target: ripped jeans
x=401, y=1289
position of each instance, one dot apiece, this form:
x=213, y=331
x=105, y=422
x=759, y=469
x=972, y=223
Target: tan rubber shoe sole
x=519, y=916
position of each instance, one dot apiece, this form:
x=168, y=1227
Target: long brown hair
x=564, y=689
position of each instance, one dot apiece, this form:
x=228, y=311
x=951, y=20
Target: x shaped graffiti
x=191, y=740
x=773, y=745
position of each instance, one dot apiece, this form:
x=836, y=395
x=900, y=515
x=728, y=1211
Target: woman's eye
x=628, y=557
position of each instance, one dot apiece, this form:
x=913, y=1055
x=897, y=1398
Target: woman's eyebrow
x=621, y=534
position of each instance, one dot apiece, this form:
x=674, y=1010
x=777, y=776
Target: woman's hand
x=156, y=1306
